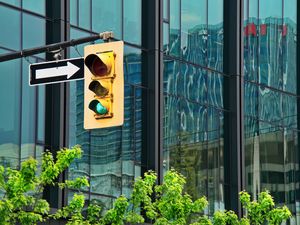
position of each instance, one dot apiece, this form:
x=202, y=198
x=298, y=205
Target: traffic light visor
x=99, y=64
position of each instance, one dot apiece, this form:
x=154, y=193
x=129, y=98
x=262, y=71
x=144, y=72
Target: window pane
x=194, y=30
x=73, y=12
x=35, y=6
x=12, y=2
x=10, y=95
x=132, y=21
x=84, y=14
x=174, y=47
x=32, y=38
x=215, y=34
x=11, y=39
x=106, y=16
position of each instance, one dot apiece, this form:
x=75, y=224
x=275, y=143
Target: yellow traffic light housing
x=104, y=85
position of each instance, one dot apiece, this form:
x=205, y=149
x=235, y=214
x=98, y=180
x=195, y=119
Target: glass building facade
x=176, y=95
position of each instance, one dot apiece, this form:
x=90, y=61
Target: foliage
x=164, y=204
x=21, y=189
x=263, y=209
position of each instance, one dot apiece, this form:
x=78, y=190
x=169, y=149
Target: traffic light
x=104, y=85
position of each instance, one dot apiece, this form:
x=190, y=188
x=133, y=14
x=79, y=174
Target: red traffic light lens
x=98, y=67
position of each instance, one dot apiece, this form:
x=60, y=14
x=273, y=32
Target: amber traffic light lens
x=98, y=89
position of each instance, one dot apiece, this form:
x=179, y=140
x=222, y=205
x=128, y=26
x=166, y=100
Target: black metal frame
x=233, y=101
x=55, y=96
x=152, y=69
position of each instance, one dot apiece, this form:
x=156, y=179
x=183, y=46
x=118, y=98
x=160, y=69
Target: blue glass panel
x=251, y=41
x=270, y=105
x=106, y=16
x=166, y=31
x=35, y=6
x=28, y=115
x=133, y=21
x=33, y=32
x=194, y=30
x=289, y=110
x=84, y=7
x=215, y=89
x=132, y=65
x=10, y=98
x=174, y=47
x=215, y=35
x=11, y=39
x=270, y=43
x=289, y=46
x=166, y=9
x=251, y=99
x=73, y=12
x=12, y=2
x=77, y=51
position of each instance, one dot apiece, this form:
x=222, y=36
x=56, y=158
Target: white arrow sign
x=69, y=70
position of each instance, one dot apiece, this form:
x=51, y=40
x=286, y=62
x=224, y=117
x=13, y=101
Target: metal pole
x=51, y=47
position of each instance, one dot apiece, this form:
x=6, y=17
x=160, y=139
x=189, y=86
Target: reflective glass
x=270, y=105
x=41, y=114
x=12, y=2
x=270, y=43
x=194, y=31
x=32, y=38
x=12, y=32
x=10, y=98
x=84, y=10
x=289, y=46
x=251, y=22
x=35, y=6
x=215, y=34
x=132, y=22
x=251, y=99
x=166, y=31
x=174, y=47
x=166, y=9
x=106, y=16
x=215, y=89
x=73, y=12
x=28, y=115
x=132, y=65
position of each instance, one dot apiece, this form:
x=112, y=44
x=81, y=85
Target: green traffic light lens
x=98, y=108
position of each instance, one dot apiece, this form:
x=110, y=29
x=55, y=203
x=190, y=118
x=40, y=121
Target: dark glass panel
x=107, y=16
x=12, y=32
x=132, y=21
x=271, y=160
x=174, y=48
x=35, y=6
x=194, y=31
x=10, y=98
x=84, y=7
x=215, y=34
